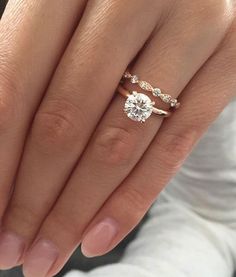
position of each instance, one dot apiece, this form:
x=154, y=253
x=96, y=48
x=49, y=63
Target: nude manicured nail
x=99, y=238
x=40, y=259
x=11, y=249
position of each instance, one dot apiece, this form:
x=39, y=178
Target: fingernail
x=99, y=238
x=40, y=259
x=11, y=249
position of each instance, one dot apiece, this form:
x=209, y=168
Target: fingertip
x=98, y=240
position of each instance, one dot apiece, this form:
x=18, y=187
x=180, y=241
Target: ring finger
x=22, y=83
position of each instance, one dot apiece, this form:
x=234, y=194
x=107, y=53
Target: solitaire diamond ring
x=139, y=106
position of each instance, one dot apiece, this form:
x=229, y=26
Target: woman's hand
x=87, y=172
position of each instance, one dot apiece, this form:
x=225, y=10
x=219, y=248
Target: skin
x=74, y=160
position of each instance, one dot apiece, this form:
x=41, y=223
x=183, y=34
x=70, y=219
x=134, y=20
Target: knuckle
x=174, y=147
x=21, y=215
x=214, y=15
x=226, y=50
x=115, y=145
x=59, y=220
x=214, y=10
x=223, y=15
x=136, y=201
x=55, y=127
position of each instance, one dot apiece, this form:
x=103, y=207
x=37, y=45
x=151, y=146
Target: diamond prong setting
x=138, y=107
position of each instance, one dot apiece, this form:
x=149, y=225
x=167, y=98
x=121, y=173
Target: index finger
x=27, y=60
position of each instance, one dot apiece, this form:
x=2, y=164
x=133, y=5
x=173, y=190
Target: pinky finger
x=201, y=102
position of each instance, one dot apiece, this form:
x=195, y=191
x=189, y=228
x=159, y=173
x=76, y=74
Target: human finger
x=202, y=101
